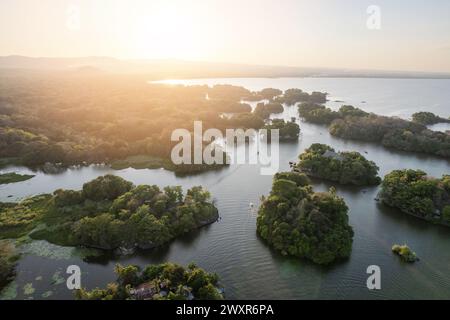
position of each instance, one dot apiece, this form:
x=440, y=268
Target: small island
x=264, y=110
x=288, y=131
x=405, y=253
x=13, y=177
x=294, y=95
x=428, y=118
x=322, y=161
x=109, y=213
x=166, y=281
x=299, y=222
x=416, y=194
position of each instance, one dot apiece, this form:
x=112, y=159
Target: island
x=166, y=281
x=415, y=193
x=322, y=161
x=109, y=213
x=428, y=118
x=13, y=177
x=294, y=95
x=405, y=253
x=296, y=221
x=264, y=110
x=392, y=132
x=288, y=131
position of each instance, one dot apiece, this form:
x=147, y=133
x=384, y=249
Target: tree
x=107, y=187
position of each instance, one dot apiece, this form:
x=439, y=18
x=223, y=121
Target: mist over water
x=247, y=267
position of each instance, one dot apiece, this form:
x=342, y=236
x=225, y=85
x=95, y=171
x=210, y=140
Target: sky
x=399, y=35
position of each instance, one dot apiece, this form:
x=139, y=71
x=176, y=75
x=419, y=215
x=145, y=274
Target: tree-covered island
x=299, y=222
x=109, y=213
x=428, y=118
x=322, y=161
x=166, y=281
x=415, y=193
x=353, y=123
x=288, y=130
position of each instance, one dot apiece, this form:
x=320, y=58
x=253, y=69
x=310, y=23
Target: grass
x=14, y=177
x=17, y=220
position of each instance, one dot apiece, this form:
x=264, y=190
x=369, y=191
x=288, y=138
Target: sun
x=166, y=31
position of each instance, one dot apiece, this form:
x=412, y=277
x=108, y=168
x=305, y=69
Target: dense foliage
x=74, y=119
x=299, y=222
x=428, y=118
x=166, y=281
x=353, y=123
x=109, y=213
x=288, y=131
x=413, y=192
x=264, y=110
x=319, y=114
x=8, y=258
x=321, y=161
x=293, y=96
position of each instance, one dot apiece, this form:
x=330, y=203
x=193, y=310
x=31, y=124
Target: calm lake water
x=247, y=267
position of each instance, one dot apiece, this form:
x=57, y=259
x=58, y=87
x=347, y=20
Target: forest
x=414, y=192
x=79, y=120
x=288, y=130
x=299, y=222
x=353, y=123
x=322, y=161
x=109, y=213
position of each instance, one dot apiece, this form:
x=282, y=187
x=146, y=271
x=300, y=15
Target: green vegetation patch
x=322, y=161
x=14, y=177
x=415, y=193
x=288, y=131
x=392, y=132
x=428, y=118
x=8, y=259
x=296, y=221
x=108, y=213
x=166, y=281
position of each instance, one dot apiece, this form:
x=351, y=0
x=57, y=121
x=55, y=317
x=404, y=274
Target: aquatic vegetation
x=322, y=161
x=47, y=294
x=43, y=248
x=8, y=259
x=166, y=281
x=57, y=279
x=296, y=221
x=415, y=193
x=28, y=289
x=14, y=177
x=405, y=253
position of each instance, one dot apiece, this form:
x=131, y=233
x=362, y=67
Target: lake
x=247, y=267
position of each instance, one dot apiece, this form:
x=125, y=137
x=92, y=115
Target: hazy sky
x=414, y=34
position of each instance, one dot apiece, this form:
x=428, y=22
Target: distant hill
x=158, y=69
